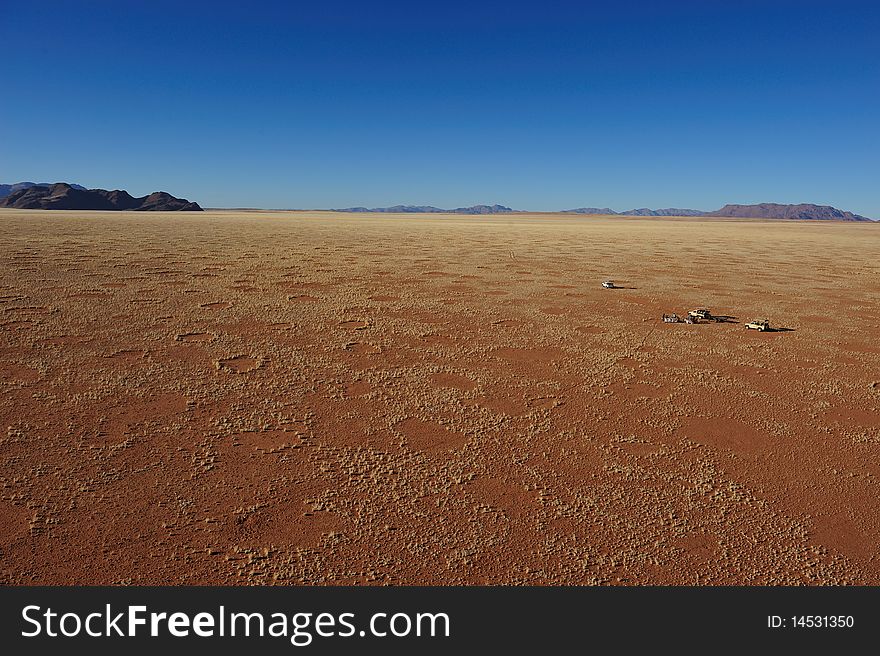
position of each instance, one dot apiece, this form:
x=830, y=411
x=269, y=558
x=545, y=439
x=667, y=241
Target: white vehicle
x=762, y=325
x=701, y=313
x=608, y=284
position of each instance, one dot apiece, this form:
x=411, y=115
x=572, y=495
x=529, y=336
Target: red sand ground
x=318, y=398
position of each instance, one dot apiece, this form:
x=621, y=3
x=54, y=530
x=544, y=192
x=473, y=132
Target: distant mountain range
x=502, y=209
x=803, y=212
x=63, y=196
x=643, y=211
x=428, y=209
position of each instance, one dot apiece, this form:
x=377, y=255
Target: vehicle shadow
x=724, y=318
x=780, y=330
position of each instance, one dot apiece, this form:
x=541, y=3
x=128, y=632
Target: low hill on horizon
x=63, y=196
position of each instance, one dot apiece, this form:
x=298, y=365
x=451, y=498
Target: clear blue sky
x=540, y=105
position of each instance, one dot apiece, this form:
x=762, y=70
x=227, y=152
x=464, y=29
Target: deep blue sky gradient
x=534, y=105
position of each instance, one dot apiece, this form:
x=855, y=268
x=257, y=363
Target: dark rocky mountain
x=428, y=209
x=804, y=211
x=160, y=201
x=62, y=196
x=6, y=189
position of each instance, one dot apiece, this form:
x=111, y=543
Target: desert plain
x=320, y=398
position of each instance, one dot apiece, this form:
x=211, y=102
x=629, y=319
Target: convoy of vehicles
x=700, y=315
